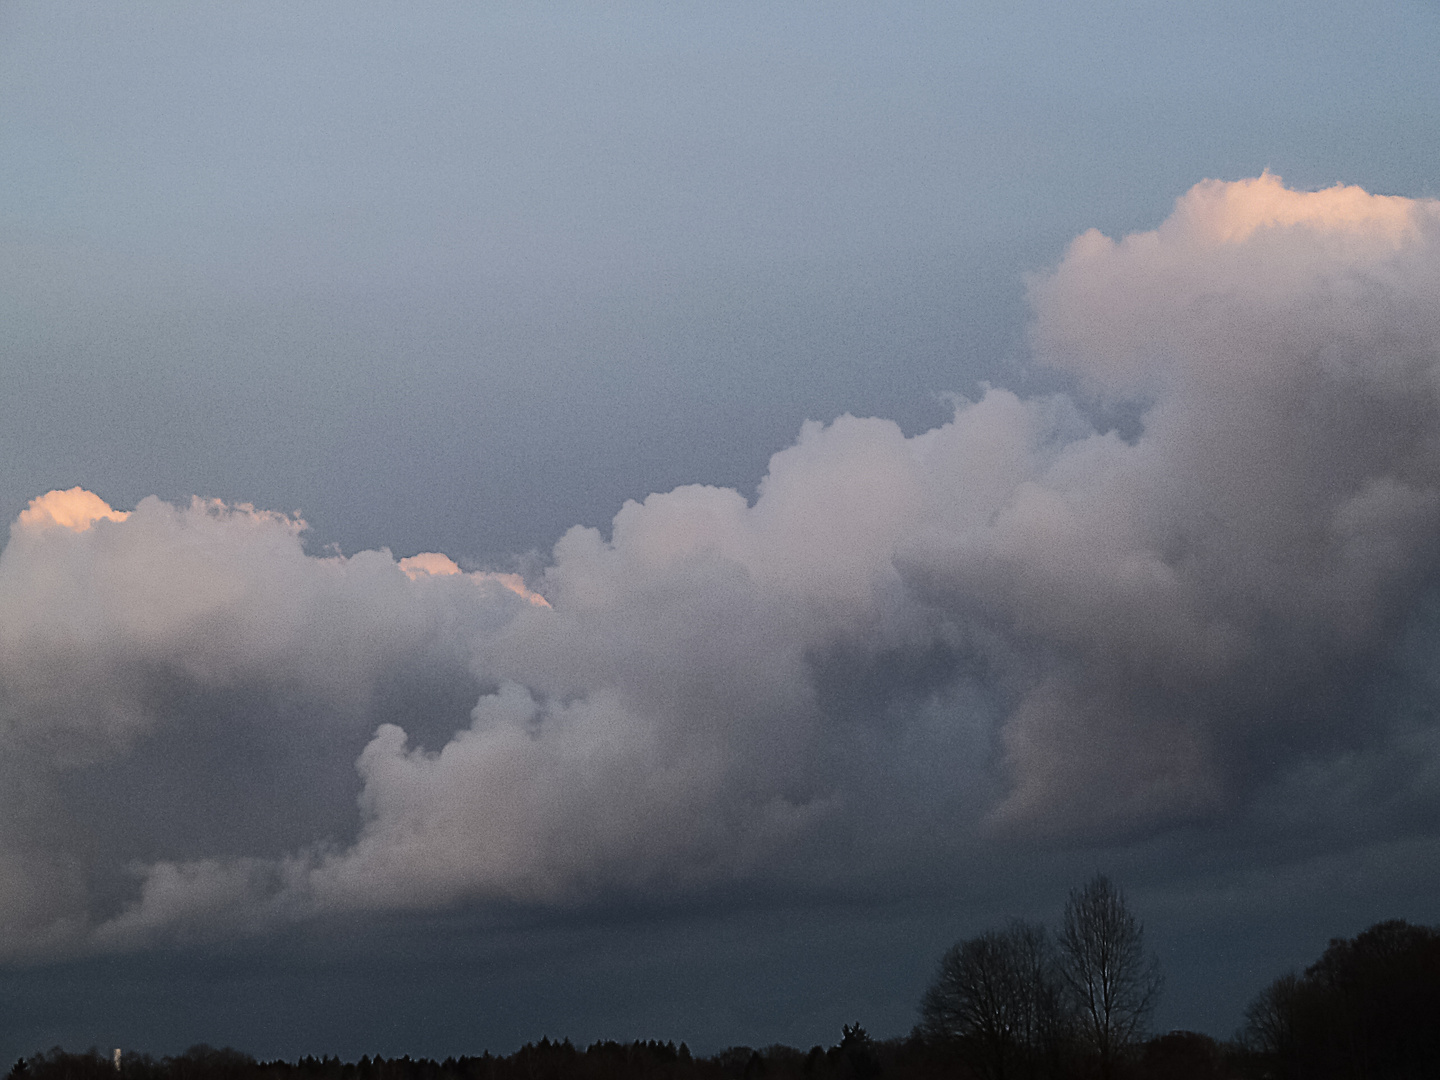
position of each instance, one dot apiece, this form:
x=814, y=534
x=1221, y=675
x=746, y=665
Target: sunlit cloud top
x=75, y=509
x=435, y=564
x=1232, y=212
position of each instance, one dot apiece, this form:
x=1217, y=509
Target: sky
x=652, y=521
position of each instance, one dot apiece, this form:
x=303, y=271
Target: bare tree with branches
x=1113, y=982
x=999, y=996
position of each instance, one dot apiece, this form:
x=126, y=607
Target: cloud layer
x=1012, y=626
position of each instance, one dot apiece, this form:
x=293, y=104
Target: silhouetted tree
x=1272, y=1019
x=856, y=1053
x=1367, y=1008
x=1113, y=983
x=998, y=996
x=1184, y=1055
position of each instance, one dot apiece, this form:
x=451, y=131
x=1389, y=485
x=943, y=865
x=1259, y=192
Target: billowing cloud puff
x=76, y=509
x=97, y=617
x=903, y=649
x=118, y=630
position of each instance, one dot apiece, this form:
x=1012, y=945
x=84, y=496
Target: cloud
x=906, y=648
x=436, y=564
x=1280, y=506
x=76, y=509
x=120, y=633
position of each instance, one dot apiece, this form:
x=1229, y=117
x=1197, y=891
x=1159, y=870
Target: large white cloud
x=106, y=617
x=1011, y=624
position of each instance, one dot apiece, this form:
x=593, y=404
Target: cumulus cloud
x=111, y=623
x=76, y=509
x=1011, y=625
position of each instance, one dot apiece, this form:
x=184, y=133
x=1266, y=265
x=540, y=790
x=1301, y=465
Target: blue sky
x=453, y=278
x=601, y=250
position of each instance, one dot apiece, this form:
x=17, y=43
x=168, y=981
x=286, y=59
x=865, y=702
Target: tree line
x=1023, y=1003
x=1020, y=1002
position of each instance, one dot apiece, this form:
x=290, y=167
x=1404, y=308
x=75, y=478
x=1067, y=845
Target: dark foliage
x=1022, y=1004
x=1368, y=1009
x=1179, y=1056
x=998, y=1000
x=1189, y=1055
